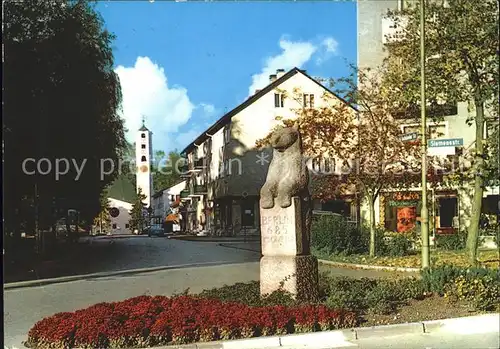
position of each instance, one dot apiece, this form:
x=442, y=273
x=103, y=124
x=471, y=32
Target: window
x=114, y=225
x=227, y=134
x=308, y=100
x=143, y=135
x=327, y=165
x=143, y=158
x=316, y=165
x=143, y=146
x=127, y=226
x=279, y=100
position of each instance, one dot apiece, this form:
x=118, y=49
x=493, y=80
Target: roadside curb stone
x=348, y=337
x=338, y=264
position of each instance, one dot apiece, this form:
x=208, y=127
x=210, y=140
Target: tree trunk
x=473, y=231
x=371, y=205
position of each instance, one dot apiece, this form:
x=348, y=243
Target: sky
x=182, y=65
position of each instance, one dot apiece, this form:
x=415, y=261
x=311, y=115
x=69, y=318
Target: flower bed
x=152, y=321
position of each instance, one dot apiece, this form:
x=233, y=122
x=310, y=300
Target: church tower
x=144, y=159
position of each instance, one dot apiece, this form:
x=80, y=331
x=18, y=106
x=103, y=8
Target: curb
x=228, y=245
x=201, y=239
x=489, y=323
x=62, y=279
x=368, y=266
x=341, y=264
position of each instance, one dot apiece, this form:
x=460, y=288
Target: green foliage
x=481, y=292
x=397, y=246
x=452, y=242
x=334, y=235
x=249, y=294
x=62, y=102
x=137, y=220
x=436, y=279
x=379, y=296
x=166, y=169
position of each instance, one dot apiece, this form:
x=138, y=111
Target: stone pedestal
x=295, y=274
x=286, y=263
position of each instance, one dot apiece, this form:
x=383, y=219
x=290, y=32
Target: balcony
x=200, y=189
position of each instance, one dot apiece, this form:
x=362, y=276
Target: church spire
x=143, y=127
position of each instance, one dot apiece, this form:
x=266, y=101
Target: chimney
x=280, y=73
x=272, y=78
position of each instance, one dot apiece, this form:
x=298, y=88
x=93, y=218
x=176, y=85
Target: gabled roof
x=160, y=192
x=122, y=189
x=227, y=117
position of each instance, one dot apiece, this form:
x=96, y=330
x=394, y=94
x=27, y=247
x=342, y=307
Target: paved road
x=106, y=255
x=25, y=306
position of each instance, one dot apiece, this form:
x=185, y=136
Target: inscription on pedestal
x=279, y=231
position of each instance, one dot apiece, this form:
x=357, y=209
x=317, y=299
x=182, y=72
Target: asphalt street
x=23, y=307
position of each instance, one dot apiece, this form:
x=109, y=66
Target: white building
x=162, y=199
x=120, y=223
x=144, y=157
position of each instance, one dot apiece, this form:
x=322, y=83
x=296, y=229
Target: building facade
x=225, y=171
x=163, y=199
x=120, y=216
x=450, y=207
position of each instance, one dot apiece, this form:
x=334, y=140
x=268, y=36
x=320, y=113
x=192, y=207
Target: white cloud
x=208, y=110
x=146, y=93
x=294, y=54
x=329, y=47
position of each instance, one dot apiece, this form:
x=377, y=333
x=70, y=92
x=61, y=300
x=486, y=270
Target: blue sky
x=183, y=65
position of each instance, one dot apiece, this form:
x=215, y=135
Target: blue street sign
x=452, y=142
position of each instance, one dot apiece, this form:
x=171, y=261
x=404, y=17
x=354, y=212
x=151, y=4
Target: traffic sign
x=409, y=137
x=452, y=142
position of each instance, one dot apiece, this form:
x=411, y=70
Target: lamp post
x=424, y=213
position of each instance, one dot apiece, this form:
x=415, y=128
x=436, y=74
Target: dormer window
x=143, y=159
x=143, y=135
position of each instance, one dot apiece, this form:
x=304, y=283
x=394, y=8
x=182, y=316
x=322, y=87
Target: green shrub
x=332, y=234
x=380, y=243
x=452, y=242
x=249, y=294
x=369, y=295
x=398, y=246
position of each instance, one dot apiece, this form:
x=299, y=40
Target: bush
x=334, y=235
x=398, y=246
x=452, y=242
x=453, y=282
x=370, y=295
x=153, y=321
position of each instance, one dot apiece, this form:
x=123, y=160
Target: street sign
x=452, y=142
x=409, y=137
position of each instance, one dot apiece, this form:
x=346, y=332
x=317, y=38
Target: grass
x=487, y=258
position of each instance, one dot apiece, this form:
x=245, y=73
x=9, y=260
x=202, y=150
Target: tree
x=461, y=43
x=62, y=101
x=166, y=170
x=103, y=220
x=137, y=220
